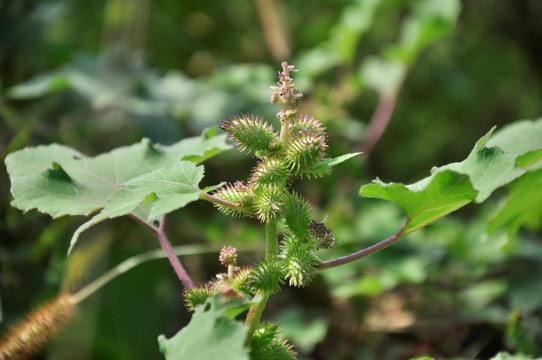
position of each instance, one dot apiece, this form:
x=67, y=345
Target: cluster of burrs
x=297, y=151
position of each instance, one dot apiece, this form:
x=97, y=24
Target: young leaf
x=324, y=167
x=209, y=335
x=58, y=180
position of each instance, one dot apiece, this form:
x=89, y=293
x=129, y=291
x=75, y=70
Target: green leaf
x=488, y=169
x=163, y=191
x=474, y=179
x=323, y=167
x=426, y=200
x=523, y=207
x=523, y=138
x=58, y=180
x=209, y=335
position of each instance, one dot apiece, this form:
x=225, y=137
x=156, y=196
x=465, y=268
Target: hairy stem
x=363, y=253
x=285, y=133
x=168, y=249
x=271, y=252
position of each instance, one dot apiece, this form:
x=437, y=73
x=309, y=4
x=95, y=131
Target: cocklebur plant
x=298, y=150
x=147, y=181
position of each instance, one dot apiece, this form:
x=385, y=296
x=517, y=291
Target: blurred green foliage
x=102, y=74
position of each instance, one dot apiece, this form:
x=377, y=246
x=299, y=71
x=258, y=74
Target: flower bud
x=228, y=256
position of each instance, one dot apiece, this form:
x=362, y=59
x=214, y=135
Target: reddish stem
x=379, y=122
x=168, y=249
x=362, y=253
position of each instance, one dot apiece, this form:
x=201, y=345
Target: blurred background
x=95, y=75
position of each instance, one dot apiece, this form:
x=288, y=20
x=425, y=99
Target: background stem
x=380, y=119
x=274, y=26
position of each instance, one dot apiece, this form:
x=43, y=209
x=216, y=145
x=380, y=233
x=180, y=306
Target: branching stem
x=363, y=253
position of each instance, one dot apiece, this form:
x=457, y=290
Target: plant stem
x=271, y=241
x=168, y=249
x=253, y=317
x=271, y=252
x=285, y=133
x=379, y=122
x=173, y=259
x=381, y=119
x=363, y=253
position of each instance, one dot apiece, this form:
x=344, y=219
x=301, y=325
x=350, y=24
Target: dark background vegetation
x=166, y=69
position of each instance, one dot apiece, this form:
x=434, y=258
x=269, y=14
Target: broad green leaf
x=427, y=200
x=209, y=335
x=524, y=206
x=488, y=169
x=162, y=191
x=58, y=180
x=518, y=138
x=523, y=138
x=453, y=186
